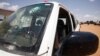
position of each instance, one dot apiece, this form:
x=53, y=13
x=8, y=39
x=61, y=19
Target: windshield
x=23, y=28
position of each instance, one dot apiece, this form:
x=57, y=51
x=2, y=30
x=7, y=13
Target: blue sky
x=83, y=9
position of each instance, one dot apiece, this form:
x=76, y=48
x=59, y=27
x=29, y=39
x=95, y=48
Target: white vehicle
x=39, y=30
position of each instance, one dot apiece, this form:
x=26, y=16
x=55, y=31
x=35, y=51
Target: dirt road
x=94, y=29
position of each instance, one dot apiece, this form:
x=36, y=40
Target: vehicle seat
x=60, y=29
x=38, y=26
x=39, y=23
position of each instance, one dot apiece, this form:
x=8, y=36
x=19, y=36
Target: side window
x=77, y=22
x=64, y=27
x=64, y=16
x=73, y=20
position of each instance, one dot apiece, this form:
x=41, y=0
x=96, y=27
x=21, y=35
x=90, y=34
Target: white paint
x=77, y=28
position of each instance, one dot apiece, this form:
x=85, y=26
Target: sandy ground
x=94, y=29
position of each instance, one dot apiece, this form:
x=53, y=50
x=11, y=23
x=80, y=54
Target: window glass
x=22, y=29
x=73, y=20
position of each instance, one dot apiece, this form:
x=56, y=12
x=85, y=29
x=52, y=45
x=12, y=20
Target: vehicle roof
x=49, y=2
x=60, y=4
x=53, y=2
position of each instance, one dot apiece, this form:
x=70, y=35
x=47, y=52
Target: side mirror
x=79, y=44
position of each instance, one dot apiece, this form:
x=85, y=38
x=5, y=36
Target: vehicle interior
x=62, y=30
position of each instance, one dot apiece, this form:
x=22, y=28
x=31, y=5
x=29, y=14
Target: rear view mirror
x=79, y=44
